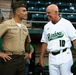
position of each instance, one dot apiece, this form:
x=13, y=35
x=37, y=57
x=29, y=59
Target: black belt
x=55, y=53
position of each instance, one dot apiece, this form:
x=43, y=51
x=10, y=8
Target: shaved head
x=53, y=7
x=52, y=13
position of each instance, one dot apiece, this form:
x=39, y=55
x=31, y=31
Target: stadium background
x=37, y=18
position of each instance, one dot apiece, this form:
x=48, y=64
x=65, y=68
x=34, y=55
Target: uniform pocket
x=25, y=33
x=14, y=31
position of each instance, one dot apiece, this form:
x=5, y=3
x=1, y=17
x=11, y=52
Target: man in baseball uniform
x=56, y=39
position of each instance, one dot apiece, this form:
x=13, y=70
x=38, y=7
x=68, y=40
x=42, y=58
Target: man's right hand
x=5, y=56
x=43, y=50
x=42, y=62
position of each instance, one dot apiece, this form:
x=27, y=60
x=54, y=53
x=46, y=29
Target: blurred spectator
x=1, y=17
x=28, y=59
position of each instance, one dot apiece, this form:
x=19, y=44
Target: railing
x=10, y=11
x=31, y=21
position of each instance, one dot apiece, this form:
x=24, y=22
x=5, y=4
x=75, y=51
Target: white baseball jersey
x=58, y=36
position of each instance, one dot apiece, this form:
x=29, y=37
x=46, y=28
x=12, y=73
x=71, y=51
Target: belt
x=15, y=53
x=55, y=53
